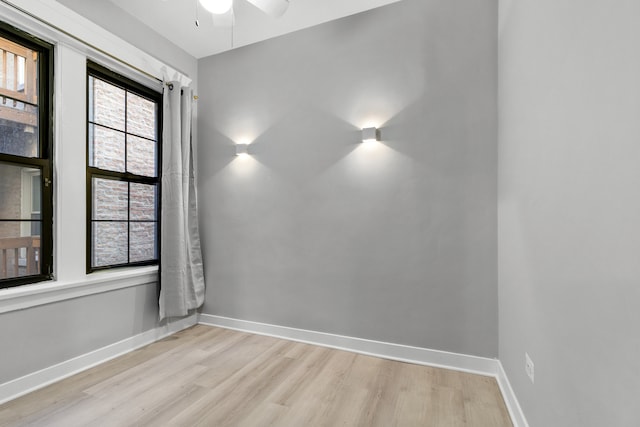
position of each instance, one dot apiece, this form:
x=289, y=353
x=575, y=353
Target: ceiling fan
x=222, y=10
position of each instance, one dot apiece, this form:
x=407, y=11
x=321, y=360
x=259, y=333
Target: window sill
x=28, y=296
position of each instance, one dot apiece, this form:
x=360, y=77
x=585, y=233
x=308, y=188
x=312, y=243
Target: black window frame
x=45, y=160
x=100, y=72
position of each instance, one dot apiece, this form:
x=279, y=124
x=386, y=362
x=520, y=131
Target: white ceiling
x=175, y=20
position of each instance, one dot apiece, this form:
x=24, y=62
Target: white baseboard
x=36, y=380
x=422, y=356
x=399, y=352
x=402, y=353
x=510, y=399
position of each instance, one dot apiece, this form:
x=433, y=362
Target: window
x=26, y=213
x=123, y=127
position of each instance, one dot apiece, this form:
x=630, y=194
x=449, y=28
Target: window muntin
x=26, y=213
x=123, y=123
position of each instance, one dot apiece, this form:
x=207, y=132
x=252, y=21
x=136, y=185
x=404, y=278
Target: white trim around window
x=27, y=296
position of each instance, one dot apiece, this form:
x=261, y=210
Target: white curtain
x=181, y=270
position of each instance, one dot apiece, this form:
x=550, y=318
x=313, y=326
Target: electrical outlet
x=528, y=366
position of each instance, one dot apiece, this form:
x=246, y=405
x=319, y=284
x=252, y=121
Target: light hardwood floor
x=206, y=376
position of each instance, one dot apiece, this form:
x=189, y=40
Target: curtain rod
x=78, y=39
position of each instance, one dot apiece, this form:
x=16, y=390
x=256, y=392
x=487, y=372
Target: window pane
x=109, y=243
x=11, y=62
x=11, y=230
x=110, y=199
x=15, y=230
x=36, y=226
x=143, y=202
x=19, y=249
x=18, y=103
x=36, y=191
x=143, y=241
x=106, y=148
x=141, y=116
x=106, y=104
x=18, y=198
x=141, y=156
x=18, y=128
x=21, y=76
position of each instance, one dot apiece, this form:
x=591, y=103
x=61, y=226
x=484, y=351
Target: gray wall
x=43, y=336
x=113, y=19
x=127, y=27
x=569, y=209
x=395, y=242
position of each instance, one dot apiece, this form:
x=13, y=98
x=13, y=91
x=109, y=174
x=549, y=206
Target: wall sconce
x=242, y=149
x=370, y=134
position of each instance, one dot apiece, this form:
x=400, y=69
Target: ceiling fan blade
x=224, y=20
x=275, y=8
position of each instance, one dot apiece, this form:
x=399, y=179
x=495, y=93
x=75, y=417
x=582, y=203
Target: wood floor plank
x=320, y=390
x=206, y=376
